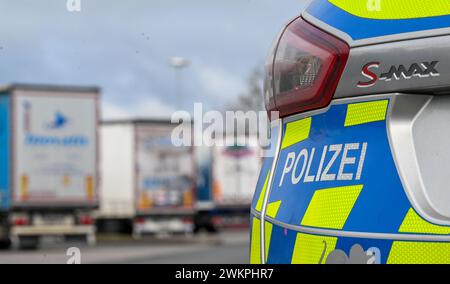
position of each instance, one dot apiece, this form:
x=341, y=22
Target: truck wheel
x=211, y=229
x=75, y=238
x=28, y=243
x=196, y=228
x=5, y=244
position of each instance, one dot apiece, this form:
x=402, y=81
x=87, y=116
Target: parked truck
x=148, y=183
x=48, y=162
x=226, y=179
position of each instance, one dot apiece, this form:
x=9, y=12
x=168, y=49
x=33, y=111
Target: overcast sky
x=124, y=47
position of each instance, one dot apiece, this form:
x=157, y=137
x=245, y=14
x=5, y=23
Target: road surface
x=227, y=247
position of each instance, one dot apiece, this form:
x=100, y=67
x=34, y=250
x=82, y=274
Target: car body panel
x=394, y=10
x=403, y=69
x=362, y=30
x=363, y=179
x=419, y=143
x=367, y=141
x=290, y=246
x=266, y=168
x=362, y=197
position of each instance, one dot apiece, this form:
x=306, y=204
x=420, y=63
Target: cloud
x=123, y=47
x=113, y=111
x=150, y=108
x=219, y=83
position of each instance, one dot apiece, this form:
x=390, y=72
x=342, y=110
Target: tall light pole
x=178, y=63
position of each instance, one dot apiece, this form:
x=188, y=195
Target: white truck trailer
x=48, y=171
x=226, y=181
x=148, y=184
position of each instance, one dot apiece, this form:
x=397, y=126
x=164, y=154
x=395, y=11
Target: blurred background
x=134, y=63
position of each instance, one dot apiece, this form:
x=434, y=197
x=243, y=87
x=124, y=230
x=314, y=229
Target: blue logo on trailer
x=59, y=121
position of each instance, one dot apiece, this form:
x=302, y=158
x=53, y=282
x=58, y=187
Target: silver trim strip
x=326, y=27
x=268, y=189
x=360, y=235
x=255, y=213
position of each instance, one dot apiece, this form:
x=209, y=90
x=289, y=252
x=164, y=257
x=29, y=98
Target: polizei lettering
x=337, y=162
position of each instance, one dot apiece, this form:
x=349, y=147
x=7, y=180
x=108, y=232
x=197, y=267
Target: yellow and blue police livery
x=359, y=172
x=336, y=185
x=366, y=19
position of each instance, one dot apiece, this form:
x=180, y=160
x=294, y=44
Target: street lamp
x=178, y=63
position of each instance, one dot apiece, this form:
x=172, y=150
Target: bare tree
x=252, y=98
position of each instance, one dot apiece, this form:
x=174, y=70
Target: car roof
x=371, y=22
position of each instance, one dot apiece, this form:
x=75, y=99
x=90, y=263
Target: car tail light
x=86, y=220
x=187, y=221
x=217, y=221
x=139, y=220
x=269, y=99
x=307, y=64
x=20, y=221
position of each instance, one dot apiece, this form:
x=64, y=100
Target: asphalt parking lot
x=223, y=248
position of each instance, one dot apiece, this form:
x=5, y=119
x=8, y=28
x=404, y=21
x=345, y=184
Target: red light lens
x=139, y=220
x=86, y=220
x=20, y=221
x=269, y=99
x=187, y=221
x=307, y=66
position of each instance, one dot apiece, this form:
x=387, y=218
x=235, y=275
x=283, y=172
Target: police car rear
x=358, y=169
